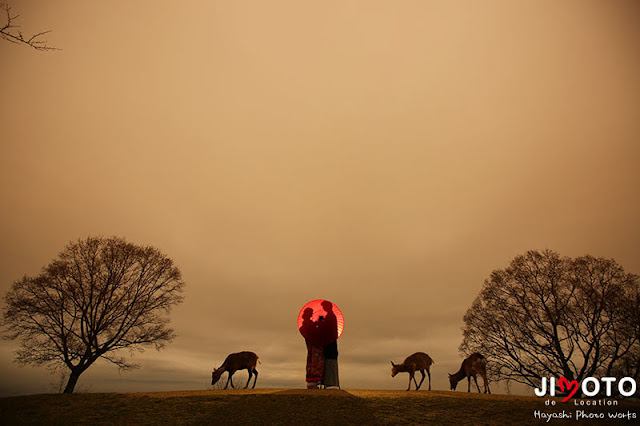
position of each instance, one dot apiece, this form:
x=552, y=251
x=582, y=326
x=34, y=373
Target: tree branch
x=10, y=32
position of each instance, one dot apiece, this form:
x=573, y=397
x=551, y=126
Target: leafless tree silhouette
x=10, y=31
x=98, y=297
x=552, y=316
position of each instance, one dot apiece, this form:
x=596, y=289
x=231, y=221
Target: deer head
x=453, y=382
x=215, y=375
x=394, y=369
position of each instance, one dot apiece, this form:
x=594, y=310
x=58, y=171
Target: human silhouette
x=330, y=350
x=315, y=353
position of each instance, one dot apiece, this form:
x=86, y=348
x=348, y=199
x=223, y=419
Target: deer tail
x=258, y=359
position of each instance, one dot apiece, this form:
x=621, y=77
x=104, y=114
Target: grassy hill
x=293, y=406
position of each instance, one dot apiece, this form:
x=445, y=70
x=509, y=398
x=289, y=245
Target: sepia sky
x=384, y=155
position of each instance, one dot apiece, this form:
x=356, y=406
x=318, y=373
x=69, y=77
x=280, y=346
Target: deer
x=474, y=364
x=234, y=362
x=416, y=362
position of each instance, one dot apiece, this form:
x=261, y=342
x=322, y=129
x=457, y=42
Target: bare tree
x=10, y=31
x=552, y=316
x=98, y=297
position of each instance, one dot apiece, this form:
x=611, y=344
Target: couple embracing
x=321, y=337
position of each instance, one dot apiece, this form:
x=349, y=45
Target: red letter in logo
x=566, y=385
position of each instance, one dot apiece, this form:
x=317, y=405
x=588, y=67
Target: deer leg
x=469, y=383
x=414, y=380
x=249, y=379
x=423, y=376
x=429, y=373
x=410, y=377
x=230, y=380
x=226, y=385
x=476, y=380
x=486, y=385
x=255, y=379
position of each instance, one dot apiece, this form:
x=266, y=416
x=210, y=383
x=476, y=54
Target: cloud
x=388, y=165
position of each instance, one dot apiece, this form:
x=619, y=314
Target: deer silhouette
x=416, y=362
x=474, y=364
x=234, y=362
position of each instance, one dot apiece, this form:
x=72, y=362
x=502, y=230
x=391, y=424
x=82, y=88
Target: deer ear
x=393, y=363
x=449, y=374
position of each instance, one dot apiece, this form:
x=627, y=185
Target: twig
x=10, y=32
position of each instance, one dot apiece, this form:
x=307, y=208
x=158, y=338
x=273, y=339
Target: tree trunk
x=73, y=379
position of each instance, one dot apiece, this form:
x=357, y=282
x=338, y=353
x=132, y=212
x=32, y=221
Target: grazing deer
x=234, y=362
x=473, y=365
x=416, y=362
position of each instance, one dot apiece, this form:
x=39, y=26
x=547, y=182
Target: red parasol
x=318, y=331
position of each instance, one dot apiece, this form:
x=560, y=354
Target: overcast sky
x=384, y=155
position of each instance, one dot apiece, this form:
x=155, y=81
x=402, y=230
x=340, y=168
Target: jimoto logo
x=590, y=386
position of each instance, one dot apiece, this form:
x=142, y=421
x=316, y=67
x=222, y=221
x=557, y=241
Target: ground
x=292, y=406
